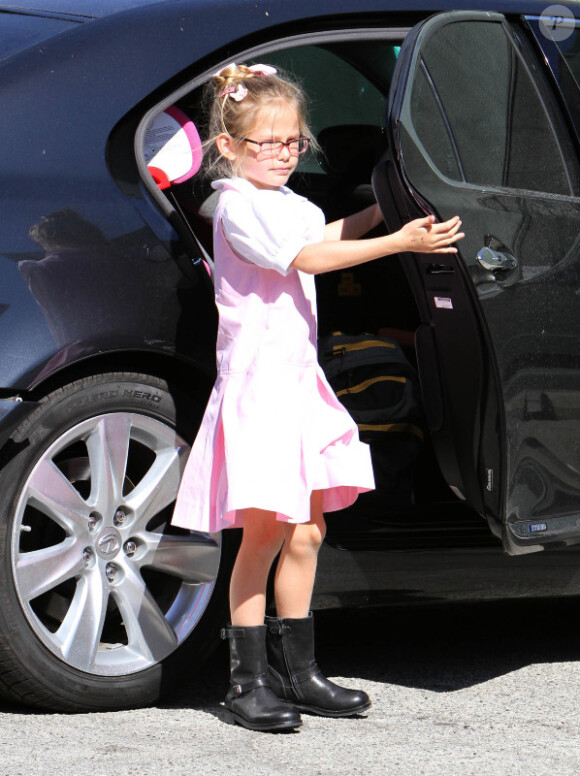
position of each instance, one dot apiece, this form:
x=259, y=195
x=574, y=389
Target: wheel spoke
x=80, y=631
x=158, y=487
x=42, y=570
x=148, y=631
x=55, y=496
x=108, y=447
x=193, y=558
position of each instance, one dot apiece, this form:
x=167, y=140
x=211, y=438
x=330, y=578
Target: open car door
x=475, y=130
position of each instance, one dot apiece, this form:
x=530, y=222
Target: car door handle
x=494, y=260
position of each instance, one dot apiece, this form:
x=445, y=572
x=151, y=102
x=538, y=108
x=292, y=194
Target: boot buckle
x=231, y=632
x=253, y=684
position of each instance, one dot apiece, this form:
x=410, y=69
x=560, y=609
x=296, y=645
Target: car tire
x=102, y=602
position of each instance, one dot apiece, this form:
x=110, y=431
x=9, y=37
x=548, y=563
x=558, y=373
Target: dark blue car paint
x=60, y=102
x=70, y=106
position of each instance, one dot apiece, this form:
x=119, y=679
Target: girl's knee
x=306, y=538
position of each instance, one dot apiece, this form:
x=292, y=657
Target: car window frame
x=343, y=34
x=532, y=29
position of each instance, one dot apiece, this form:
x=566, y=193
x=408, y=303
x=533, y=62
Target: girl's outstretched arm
x=355, y=225
x=422, y=235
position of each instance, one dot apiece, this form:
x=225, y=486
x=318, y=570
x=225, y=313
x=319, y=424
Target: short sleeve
x=271, y=228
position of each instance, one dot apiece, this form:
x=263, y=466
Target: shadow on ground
x=436, y=648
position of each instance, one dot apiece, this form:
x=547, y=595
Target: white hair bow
x=258, y=69
x=263, y=69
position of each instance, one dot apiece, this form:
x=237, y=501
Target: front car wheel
x=101, y=597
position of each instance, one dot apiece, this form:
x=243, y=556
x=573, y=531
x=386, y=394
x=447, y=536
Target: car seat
x=173, y=152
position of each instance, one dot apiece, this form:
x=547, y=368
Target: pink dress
x=273, y=429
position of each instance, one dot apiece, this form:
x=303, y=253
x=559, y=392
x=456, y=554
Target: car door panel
x=475, y=156
x=448, y=357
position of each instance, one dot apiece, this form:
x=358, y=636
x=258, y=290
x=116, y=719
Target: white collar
x=245, y=186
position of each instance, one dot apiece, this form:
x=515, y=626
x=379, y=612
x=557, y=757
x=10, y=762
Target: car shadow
x=440, y=648
x=446, y=648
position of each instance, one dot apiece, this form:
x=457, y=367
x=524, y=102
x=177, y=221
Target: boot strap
x=231, y=632
x=308, y=673
x=253, y=684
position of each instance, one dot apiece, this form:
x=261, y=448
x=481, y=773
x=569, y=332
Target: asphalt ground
x=463, y=690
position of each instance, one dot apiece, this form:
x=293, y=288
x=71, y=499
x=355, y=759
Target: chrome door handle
x=494, y=260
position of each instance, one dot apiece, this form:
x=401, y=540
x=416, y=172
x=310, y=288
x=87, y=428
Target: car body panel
x=300, y=9
x=438, y=575
x=49, y=86
x=84, y=9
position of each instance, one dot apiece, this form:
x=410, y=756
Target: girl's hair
x=254, y=91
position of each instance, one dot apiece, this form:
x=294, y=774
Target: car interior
x=347, y=84
x=348, y=122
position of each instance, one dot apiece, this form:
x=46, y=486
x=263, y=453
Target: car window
x=20, y=31
x=347, y=83
x=478, y=115
x=562, y=51
x=339, y=94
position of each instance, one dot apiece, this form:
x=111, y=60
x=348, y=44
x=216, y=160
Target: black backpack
x=376, y=383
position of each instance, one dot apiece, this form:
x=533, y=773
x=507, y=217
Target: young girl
x=276, y=449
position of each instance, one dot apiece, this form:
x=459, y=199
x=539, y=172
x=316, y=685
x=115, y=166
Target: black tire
x=114, y=604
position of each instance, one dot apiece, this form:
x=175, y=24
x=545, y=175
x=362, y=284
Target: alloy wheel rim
x=104, y=580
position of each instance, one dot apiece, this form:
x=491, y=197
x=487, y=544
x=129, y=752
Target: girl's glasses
x=268, y=149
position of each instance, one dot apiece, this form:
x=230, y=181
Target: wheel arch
x=185, y=374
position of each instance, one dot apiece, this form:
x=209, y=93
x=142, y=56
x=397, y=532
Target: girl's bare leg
x=296, y=570
x=293, y=670
x=261, y=541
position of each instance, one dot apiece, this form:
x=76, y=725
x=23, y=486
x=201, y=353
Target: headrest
x=173, y=149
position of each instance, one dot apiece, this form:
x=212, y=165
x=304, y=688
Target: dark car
x=107, y=319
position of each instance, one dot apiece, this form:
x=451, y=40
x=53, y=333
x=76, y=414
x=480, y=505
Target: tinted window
x=477, y=113
x=563, y=56
x=338, y=93
x=18, y=31
x=336, y=90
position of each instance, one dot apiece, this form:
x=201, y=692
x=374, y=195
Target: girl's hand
x=423, y=235
x=420, y=236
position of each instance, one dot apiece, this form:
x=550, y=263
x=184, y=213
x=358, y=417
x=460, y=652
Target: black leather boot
x=250, y=701
x=295, y=676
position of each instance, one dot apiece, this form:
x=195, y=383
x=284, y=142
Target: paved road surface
x=465, y=691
